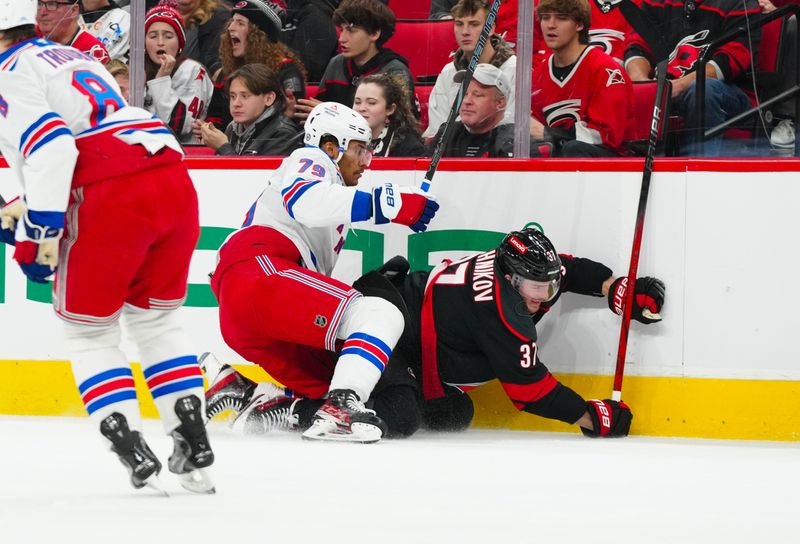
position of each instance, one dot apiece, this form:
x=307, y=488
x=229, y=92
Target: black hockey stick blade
x=449, y=125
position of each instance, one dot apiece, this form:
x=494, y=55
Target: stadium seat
x=410, y=9
x=426, y=44
x=423, y=95
x=638, y=133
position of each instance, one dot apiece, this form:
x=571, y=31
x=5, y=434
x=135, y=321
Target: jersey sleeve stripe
x=38, y=129
x=293, y=193
x=62, y=131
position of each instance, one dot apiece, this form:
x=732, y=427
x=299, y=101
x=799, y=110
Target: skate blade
x=197, y=481
x=360, y=433
x=154, y=483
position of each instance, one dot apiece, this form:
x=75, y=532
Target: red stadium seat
x=426, y=44
x=410, y=9
x=423, y=95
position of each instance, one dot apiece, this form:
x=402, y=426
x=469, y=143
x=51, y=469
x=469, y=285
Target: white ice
x=58, y=485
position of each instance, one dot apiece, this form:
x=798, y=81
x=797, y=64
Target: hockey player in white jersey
x=280, y=308
x=109, y=207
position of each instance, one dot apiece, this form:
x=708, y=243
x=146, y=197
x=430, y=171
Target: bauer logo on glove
x=648, y=298
x=403, y=205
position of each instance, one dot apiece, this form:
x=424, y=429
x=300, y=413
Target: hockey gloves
x=10, y=215
x=37, y=244
x=609, y=417
x=648, y=298
x=403, y=205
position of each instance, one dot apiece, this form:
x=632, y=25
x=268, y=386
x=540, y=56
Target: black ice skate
x=227, y=389
x=142, y=464
x=192, y=453
x=343, y=417
x=270, y=409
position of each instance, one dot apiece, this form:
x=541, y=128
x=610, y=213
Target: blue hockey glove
x=37, y=244
x=404, y=205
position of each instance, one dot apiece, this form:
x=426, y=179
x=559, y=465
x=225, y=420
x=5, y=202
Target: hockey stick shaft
x=655, y=125
x=449, y=125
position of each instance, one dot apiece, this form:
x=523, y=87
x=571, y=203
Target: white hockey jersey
x=113, y=30
x=52, y=96
x=307, y=201
x=181, y=99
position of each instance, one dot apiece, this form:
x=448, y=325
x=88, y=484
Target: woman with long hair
x=178, y=88
x=384, y=101
x=251, y=36
x=204, y=21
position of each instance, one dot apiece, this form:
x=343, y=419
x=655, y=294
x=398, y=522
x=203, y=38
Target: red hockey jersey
x=84, y=41
x=595, y=97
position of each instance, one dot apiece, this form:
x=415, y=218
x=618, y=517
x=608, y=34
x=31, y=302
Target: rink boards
x=719, y=233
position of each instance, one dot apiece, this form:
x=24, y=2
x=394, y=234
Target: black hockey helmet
x=528, y=254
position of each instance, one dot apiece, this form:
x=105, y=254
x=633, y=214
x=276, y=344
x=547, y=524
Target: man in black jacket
x=480, y=132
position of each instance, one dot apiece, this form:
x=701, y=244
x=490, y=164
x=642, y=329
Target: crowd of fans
x=240, y=77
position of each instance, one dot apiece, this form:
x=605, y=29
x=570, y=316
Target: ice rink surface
x=59, y=485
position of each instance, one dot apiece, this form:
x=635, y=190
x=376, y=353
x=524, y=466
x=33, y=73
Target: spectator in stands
x=481, y=132
x=259, y=127
x=687, y=28
x=251, y=36
x=121, y=74
x=310, y=31
x=469, y=18
x=109, y=24
x=204, y=21
x=583, y=100
x=365, y=27
x=505, y=24
x=383, y=100
x=178, y=88
x=58, y=21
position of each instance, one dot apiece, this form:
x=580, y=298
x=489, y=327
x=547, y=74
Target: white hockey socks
x=169, y=365
x=370, y=328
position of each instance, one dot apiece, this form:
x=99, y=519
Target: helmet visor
x=361, y=153
x=543, y=291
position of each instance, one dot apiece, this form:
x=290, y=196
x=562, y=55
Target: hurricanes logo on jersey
x=606, y=38
x=614, y=76
x=3, y=106
x=563, y=112
x=687, y=53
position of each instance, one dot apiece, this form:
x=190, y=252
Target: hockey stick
x=645, y=28
x=449, y=125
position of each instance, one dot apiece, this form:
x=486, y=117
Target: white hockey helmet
x=14, y=13
x=344, y=123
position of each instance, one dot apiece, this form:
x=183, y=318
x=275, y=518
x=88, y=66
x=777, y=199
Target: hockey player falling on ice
x=278, y=306
x=109, y=206
x=471, y=321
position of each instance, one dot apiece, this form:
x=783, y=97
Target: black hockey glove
x=609, y=417
x=647, y=300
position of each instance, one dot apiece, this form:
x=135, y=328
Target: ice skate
x=141, y=463
x=270, y=409
x=192, y=454
x=227, y=389
x=343, y=417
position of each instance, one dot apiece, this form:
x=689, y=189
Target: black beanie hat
x=265, y=15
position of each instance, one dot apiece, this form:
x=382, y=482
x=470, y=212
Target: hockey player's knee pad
x=83, y=338
x=373, y=315
x=375, y=284
x=158, y=334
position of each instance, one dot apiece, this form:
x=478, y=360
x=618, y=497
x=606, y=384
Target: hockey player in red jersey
x=109, y=207
x=582, y=99
x=278, y=305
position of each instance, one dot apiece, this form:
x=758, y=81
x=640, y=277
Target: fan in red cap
x=178, y=88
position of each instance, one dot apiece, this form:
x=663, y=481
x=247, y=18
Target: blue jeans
x=723, y=101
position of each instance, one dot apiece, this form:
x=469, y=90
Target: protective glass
x=362, y=155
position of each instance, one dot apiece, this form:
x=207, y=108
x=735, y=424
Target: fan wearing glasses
x=58, y=22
